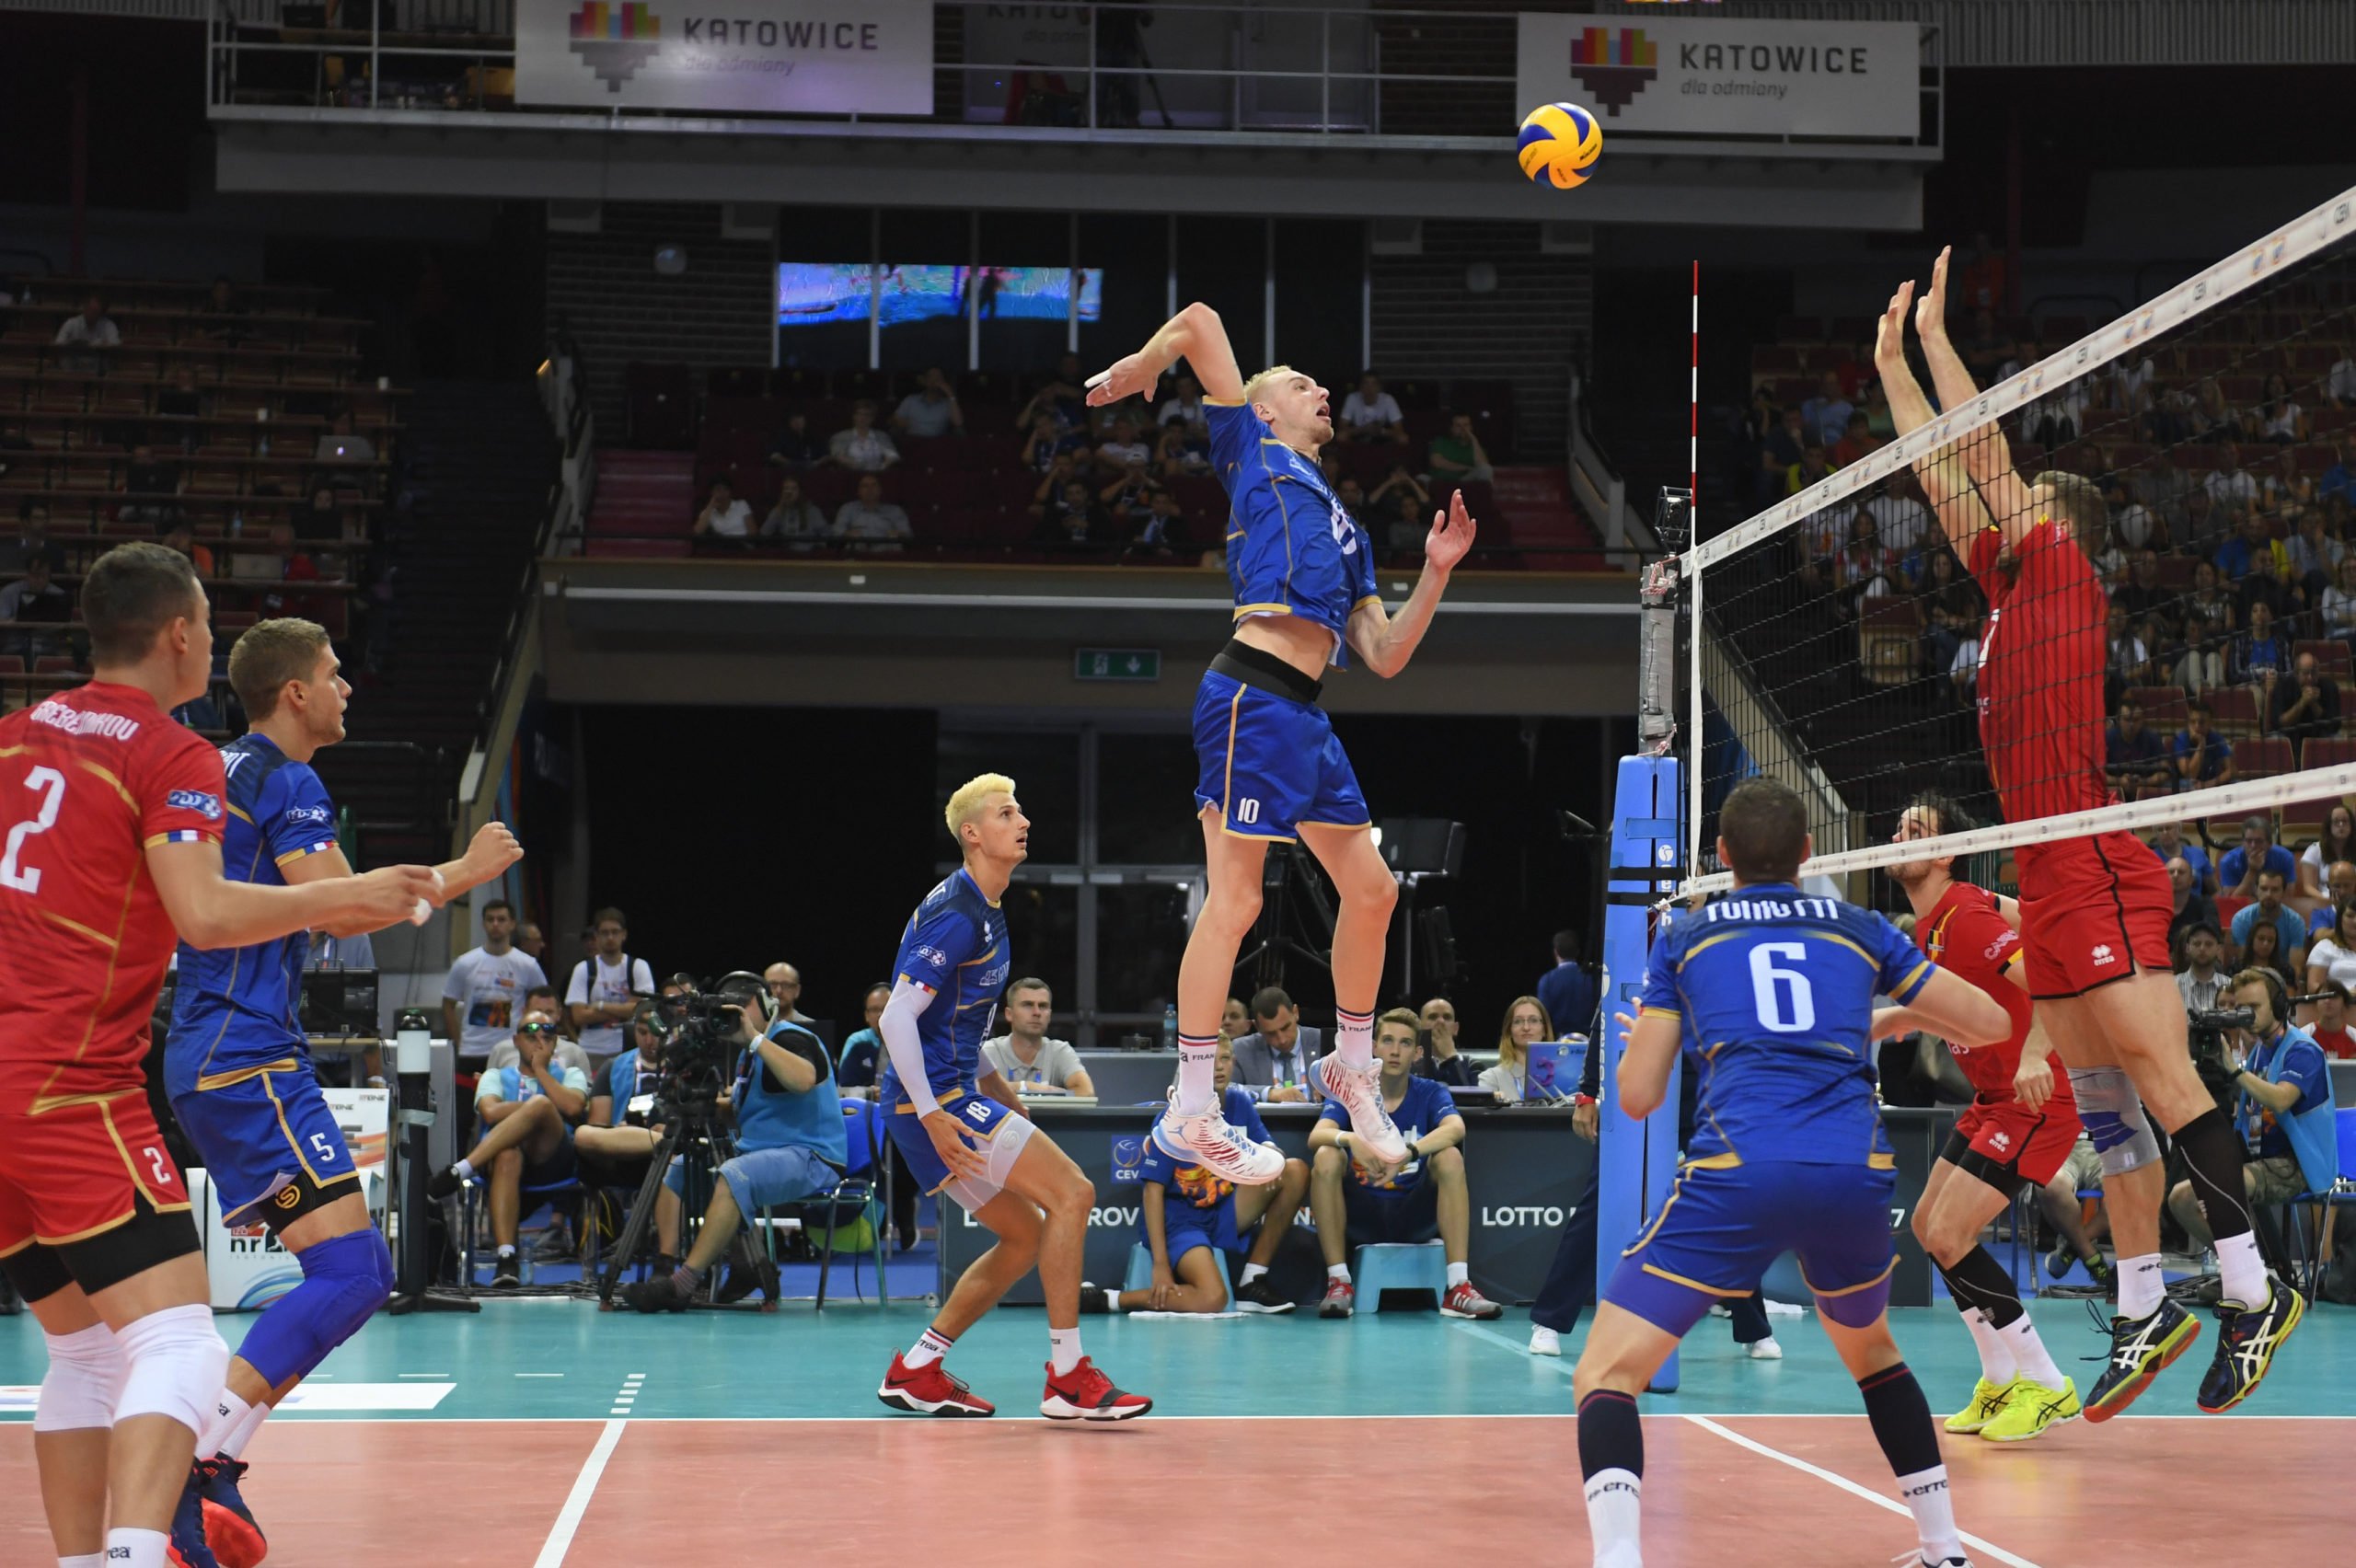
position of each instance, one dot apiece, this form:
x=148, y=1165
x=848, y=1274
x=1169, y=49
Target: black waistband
x=1258, y=667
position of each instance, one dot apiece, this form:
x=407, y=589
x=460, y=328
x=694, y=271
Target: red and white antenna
x=1693, y=426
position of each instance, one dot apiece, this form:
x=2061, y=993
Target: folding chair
x=529, y=1200
x=2343, y=1192
x=865, y=1169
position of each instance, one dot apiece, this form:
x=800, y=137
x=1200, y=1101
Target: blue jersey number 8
x=1767, y=987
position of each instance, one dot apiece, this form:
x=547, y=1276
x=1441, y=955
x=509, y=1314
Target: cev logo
x=1665, y=854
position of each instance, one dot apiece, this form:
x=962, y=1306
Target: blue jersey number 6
x=1771, y=988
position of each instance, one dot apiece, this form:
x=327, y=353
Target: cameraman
x=789, y=1145
x=2277, y=1071
x=613, y=1151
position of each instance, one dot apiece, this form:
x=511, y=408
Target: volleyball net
x=2198, y=448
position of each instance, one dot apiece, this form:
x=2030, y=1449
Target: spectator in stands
x=794, y=517
x=1278, y=1061
x=1903, y=522
x=2134, y=757
x=533, y=943
x=1360, y=1200
x=2213, y=417
x=1526, y=1024
x=2261, y=654
x=339, y=443
x=1986, y=350
x=222, y=299
x=2329, y=1021
x=526, y=1111
x=2130, y=382
x=1826, y=416
x=1185, y=404
x=1163, y=530
x=1982, y=279
x=723, y=516
x=2200, y=982
x=2269, y=910
x=2192, y=907
x=613, y=1152
x=1864, y=570
x=606, y=986
x=1399, y=510
x=1064, y=398
x=1121, y=453
x=1568, y=991
x=2141, y=594
x=2266, y=951
x=783, y=982
x=1025, y=1056
x=157, y=484
x=2277, y=418
x=1879, y=421
x=1436, y=1034
x=2209, y=621
x=2338, y=843
x=863, y=448
x=2202, y=757
x=2131, y=662
x=1173, y=457
x=1952, y=610
x=1779, y=454
x=2332, y=957
x=931, y=409
x=181, y=400
x=92, y=329
x=2339, y=887
x=483, y=993
x=1813, y=466
x=1371, y=414
x=293, y=566
x=2056, y=418
x=1235, y=1018
x=875, y=525
x=1458, y=457
x=2336, y=480
x=2137, y=526
x=2247, y=551
x=1049, y=442
x=2237, y=871
x=1128, y=502
x=1069, y=517
x=2169, y=843
x=2304, y=707
x=2268, y=1052
x=2315, y=557
x=2286, y=486
x=2170, y=414
x=34, y=598
x=2229, y=484
x=793, y=447
x=541, y=1011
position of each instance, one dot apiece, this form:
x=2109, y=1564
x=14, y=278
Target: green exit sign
x=1116, y=664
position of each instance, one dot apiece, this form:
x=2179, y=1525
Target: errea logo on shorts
x=2102, y=955
x=2003, y=1140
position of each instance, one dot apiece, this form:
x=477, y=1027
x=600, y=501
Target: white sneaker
x=1210, y=1141
x=1360, y=1092
x=1764, y=1350
x=1544, y=1341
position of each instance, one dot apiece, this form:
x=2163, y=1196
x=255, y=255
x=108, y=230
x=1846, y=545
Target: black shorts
x=562, y=1166
x=1411, y=1217
x=602, y=1170
x=97, y=1262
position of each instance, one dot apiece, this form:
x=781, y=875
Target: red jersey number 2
x=16, y=872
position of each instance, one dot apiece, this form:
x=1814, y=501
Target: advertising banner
x=726, y=56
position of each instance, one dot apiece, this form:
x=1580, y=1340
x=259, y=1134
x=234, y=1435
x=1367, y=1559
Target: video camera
x=2207, y=1030
x=703, y=1029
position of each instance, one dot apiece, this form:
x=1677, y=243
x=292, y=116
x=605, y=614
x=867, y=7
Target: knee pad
x=84, y=1382
x=177, y=1361
x=345, y=1279
x=2113, y=1113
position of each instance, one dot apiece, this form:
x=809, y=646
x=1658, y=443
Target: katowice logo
x=1614, y=67
x=615, y=40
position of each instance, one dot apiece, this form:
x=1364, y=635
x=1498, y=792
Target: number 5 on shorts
x=324, y=1150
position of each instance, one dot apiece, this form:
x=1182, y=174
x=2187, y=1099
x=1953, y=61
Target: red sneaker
x=1341, y=1299
x=929, y=1390
x=1085, y=1394
x=1463, y=1301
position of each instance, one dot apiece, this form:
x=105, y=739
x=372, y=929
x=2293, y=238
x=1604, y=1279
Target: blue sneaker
x=230, y=1525
x=1211, y=1141
x=187, y=1548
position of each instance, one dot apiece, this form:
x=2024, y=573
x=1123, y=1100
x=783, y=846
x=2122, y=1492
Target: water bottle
x=1169, y=1027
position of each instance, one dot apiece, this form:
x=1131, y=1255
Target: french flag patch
x=183, y=835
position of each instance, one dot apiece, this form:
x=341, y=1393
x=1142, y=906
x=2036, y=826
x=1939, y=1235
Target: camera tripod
x=692, y=1131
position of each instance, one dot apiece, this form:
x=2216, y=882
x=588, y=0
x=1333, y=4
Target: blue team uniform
x=235, y=1064
x=955, y=945
x=1404, y=1207
x=1775, y=992
x=1198, y=1205
x=1267, y=755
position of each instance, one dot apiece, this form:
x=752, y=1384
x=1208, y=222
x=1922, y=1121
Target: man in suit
x=1568, y=991
x=1278, y=1064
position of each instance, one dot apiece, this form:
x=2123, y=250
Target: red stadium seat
x=2163, y=705
x=2263, y=758
x=1799, y=328
x=2331, y=654
x=2228, y=906
x=2327, y=750
x=2234, y=708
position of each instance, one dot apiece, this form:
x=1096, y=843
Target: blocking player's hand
x=1451, y=536
x=1931, y=316
x=1889, y=333
x=492, y=849
x=391, y=892
x=950, y=1141
x=1129, y=376
x=2033, y=1084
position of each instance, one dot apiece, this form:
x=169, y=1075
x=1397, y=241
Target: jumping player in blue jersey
x=238, y=1072
x=963, y=1132
x=1769, y=993
x=1269, y=768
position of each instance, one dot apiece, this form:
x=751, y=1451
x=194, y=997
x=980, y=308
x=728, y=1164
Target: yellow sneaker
x=1987, y=1399
x=2030, y=1408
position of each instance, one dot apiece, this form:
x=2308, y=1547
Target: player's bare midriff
x=1303, y=644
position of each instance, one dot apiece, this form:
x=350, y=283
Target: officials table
x=1525, y=1165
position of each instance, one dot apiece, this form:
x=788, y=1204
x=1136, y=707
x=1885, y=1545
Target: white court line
x=1985, y=1548
x=576, y=1502
x=1563, y=1365
x=423, y=1374
x=539, y=1374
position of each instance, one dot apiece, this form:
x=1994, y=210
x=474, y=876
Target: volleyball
x=1559, y=141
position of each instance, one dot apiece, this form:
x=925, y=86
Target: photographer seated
x=614, y=1151
x=789, y=1145
x=2278, y=1072
x=527, y=1109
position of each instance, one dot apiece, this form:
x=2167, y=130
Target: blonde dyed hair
x=1511, y=1053
x=966, y=804
x=269, y=654
x=1252, y=387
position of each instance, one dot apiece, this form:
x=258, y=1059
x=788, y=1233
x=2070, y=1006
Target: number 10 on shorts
x=1247, y=810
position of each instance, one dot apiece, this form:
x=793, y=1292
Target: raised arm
x=1987, y=452
x=210, y=911
x=1195, y=334
x=1385, y=641
x=1943, y=477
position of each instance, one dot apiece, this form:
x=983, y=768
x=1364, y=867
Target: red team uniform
x=89, y=779
x=1966, y=935
x=2093, y=909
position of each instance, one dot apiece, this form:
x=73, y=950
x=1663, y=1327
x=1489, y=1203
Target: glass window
x=816, y=243
x=1146, y=809
x=1043, y=922
x=1046, y=771
x=1319, y=268
x=1141, y=935
x=1014, y=343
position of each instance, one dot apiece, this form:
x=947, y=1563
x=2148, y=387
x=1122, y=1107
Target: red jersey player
x=2021, y=1127
x=2094, y=908
x=112, y=817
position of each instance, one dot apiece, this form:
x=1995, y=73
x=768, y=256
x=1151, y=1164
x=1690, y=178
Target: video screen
x=809, y=293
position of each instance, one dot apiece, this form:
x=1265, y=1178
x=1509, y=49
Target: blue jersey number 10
x=1773, y=989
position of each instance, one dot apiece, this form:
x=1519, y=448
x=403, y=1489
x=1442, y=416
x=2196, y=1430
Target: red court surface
x=531, y=1494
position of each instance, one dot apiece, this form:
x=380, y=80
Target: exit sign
x=1116, y=664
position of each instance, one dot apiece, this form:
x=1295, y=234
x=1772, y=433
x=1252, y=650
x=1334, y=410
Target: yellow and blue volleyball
x=1559, y=141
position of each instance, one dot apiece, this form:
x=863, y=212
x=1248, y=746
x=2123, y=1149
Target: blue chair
x=1140, y=1275
x=2343, y=1192
x=529, y=1200
x=865, y=1169
x=1399, y=1266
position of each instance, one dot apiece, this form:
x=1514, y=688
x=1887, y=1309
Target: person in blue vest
x=2282, y=1076
x=527, y=1109
x=789, y=1145
x=1568, y=991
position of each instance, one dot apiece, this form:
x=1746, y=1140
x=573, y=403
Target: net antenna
x=1827, y=647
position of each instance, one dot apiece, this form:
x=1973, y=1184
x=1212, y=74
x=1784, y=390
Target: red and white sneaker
x=1360, y=1092
x=1463, y=1301
x=1341, y=1299
x=1085, y=1394
x=1209, y=1140
x=929, y=1390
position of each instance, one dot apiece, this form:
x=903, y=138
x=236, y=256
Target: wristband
x=1583, y=1100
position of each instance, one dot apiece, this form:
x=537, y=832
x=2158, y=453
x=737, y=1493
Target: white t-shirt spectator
x=2229, y=488
x=867, y=451
x=2339, y=382
x=1180, y=410
x=732, y=521
x=2283, y=424
x=2338, y=610
x=2133, y=381
x=77, y=329
x=18, y=602
x=595, y=981
x=1383, y=411
x=923, y=416
x=490, y=989
x=1900, y=520
x=2335, y=961
x=1120, y=453
x=1053, y=1066
x=2136, y=524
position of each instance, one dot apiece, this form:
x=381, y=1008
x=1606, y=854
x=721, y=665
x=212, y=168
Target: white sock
x=1063, y=1349
x=931, y=1347
x=136, y=1548
x=2241, y=1271
x=507, y=1249
x=1354, y=1037
x=1614, y=1509
x=1996, y=1362
x=1458, y=1274
x=1111, y=1299
x=233, y=1446
x=92, y=1560
x=2141, y=1285
x=1340, y=1272
x=1197, y=1063
x=464, y=1169
x=1925, y=1492
x=1252, y=1272
x=2030, y=1354
x=228, y=1413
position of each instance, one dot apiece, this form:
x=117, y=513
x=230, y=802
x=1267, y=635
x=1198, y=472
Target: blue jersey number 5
x=1771, y=988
